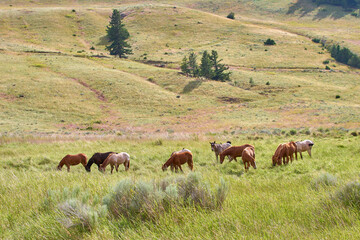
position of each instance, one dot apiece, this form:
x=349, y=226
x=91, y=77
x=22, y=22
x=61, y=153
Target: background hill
x=57, y=77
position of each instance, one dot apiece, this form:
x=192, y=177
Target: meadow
x=62, y=93
x=270, y=202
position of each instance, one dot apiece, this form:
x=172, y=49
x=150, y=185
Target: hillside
x=53, y=82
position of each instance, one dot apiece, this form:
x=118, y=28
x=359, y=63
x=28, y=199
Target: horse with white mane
x=303, y=146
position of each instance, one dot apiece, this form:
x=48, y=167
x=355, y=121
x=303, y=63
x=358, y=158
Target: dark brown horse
x=98, y=159
x=70, y=160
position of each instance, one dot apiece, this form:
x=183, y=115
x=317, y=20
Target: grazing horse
x=276, y=158
x=303, y=146
x=72, y=160
x=234, y=152
x=218, y=148
x=177, y=159
x=285, y=150
x=97, y=158
x=248, y=157
x=115, y=159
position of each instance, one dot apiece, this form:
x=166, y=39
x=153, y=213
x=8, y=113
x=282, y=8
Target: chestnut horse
x=177, y=159
x=248, y=157
x=97, y=158
x=285, y=150
x=234, y=152
x=72, y=160
x=115, y=159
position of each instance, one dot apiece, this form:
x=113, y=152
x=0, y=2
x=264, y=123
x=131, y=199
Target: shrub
x=269, y=42
x=326, y=62
x=251, y=81
x=231, y=15
x=149, y=200
x=327, y=68
x=354, y=134
x=325, y=179
x=316, y=40
x=292, y=132
x=267, y=83
x=349, y=195
x=337, y=96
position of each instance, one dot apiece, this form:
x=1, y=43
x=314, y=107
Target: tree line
x=343, y=3
x=210, y=66
x=344, y=55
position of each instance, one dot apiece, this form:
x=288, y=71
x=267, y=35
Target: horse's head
x=228, y=142
x=253, y=164
x=59, y=167
x=212, y=144
x=164, y=167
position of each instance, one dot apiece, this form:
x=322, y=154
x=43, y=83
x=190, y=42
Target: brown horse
x=177, y=159
x=248, y=157
x=234, y=152
x=70, y=160
x=285, y=150
x=115, y=159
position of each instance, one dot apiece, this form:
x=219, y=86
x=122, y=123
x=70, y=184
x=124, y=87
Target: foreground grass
x=268, y=202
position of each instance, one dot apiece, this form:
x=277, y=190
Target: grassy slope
x=124, y=85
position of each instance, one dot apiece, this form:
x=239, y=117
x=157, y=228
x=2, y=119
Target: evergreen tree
x=194, y=68
x=206, y=65
x=117, y=35
x=219, y=68
x=185, y=66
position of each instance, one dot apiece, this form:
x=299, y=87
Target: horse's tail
x=190, y=162
x=127, y=166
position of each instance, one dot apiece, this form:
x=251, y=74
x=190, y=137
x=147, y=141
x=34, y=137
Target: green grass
x=264, y=203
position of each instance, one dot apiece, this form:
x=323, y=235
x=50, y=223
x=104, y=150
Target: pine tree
x=194, y=68
x=219, y=68
x=185, y=66
x=117, y=35
x=205, y=66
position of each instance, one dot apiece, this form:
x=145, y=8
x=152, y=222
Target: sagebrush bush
x=148, y=200
x=349, y=195
x=325, y=179
x=74, y=208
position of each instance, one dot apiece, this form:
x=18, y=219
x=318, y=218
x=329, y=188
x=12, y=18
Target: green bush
x=148, y=200
x=349, y=195
x=231, y=15
x=269, y=42
x=325, y=179
x=316, y=40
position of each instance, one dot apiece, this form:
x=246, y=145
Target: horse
x=248, y=157
x=233, y=152
x=276, y=159
x=72, y=160
x=285, y=150
x=218, y=148
x=97, y=158
x=303, y=146
x=177, y=159
x=115, y=159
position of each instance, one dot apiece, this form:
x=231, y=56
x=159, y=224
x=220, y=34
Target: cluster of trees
x=210, y=66
x=343, y=3
x=344, y=55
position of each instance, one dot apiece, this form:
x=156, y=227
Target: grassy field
x=269, y=202
x=61, y=93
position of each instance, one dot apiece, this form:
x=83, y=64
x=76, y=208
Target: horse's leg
x=309, y=152
x=112, y=168
x=235, y=159
x=172, y=167
x=181, y=168
x=68, y=167
x=301, y=155
x=217, y=157
x=176, y=168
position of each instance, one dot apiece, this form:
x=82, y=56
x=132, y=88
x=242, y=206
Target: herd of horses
x=284, y=152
